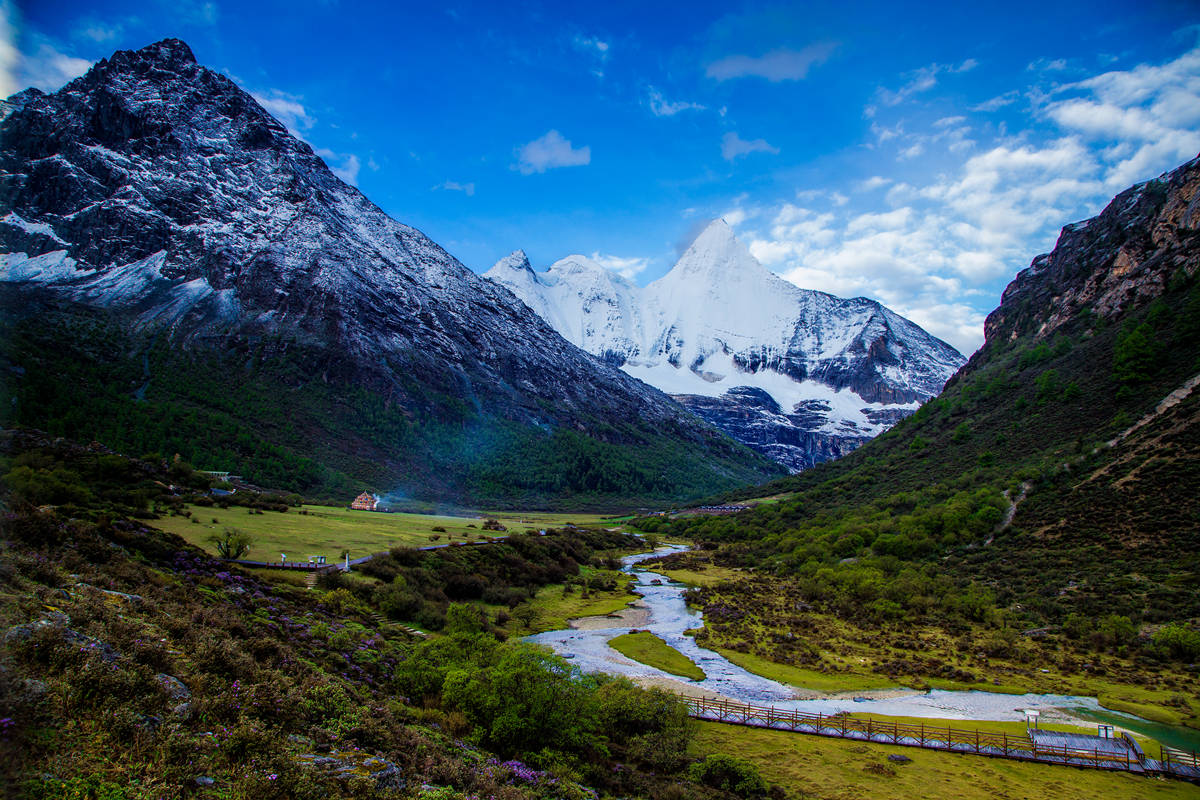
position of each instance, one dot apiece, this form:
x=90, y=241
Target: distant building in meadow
x=365, y=502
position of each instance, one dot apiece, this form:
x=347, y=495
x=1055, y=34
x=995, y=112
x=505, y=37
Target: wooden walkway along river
x=1120, y=753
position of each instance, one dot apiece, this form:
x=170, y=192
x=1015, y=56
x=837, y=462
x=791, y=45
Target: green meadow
x=329, y=530
x=823, y=768
x=646, y=648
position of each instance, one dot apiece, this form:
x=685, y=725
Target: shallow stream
x=662, y=611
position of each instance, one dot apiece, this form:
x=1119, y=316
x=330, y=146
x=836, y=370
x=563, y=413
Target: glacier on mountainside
x=835, y=372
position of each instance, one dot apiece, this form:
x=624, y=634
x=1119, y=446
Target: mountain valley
x=551, y=535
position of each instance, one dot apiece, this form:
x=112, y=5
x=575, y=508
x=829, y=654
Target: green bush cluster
x=419, y=585
x=522, y=701
x=730, y=773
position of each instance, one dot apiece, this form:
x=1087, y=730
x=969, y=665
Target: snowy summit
x=798, y=374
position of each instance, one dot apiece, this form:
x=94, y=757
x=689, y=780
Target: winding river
x=662, y=611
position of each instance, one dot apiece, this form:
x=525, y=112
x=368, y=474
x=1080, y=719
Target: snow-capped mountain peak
x=718, y=254
x=719, y=330
x=516, y=260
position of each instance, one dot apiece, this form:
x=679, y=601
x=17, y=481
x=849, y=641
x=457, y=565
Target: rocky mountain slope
x=802, y=376
x=154, y=198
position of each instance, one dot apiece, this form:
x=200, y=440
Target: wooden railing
x=1174, y=757
x=934, y=737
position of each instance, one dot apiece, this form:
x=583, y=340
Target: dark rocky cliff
x=1107, y=265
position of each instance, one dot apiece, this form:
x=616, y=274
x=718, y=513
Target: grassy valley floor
x=832, y=769
x=836, y=656
x=330, y=530
x=755, y=621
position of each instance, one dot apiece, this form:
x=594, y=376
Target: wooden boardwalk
x=1121, y=753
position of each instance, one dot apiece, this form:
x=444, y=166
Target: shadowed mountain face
x=157, y=191
x=719, y=330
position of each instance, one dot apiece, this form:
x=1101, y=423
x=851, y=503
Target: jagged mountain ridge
x=156, y=187
x=835, y=372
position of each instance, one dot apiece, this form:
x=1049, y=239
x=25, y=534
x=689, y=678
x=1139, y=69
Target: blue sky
x=919, y=154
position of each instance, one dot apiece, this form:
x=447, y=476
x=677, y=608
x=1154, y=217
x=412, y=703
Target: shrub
x=341, y=601
x=1176, y=641
x=397, y=600
x=962, y=433
x=465, y=618
x=230, y=543
x=1046, y=385
x=528, y=699
x=1134, y=356
x=91, y=788
x=729, y=774
x=325, y=702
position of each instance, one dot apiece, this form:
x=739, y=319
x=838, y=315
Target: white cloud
x=998, y=102
x=663, y=108
x=922, y=80
x=550, y=152
x=1047, y=65
x=286, y=108
x=592, y=44
x=1147, y=116
x=345, y=165
x=9, y=56
x=775, y=66
x=99, y=32
x=735, y=217
x=348, y=169
x=938, y=250
x=956, y=323
x=899, y=219
x=628, y=268
x=197, y=12
x=44, y=66
x=884, y=133
x=595, y=47
x=454, y=186
x=946, y=122
x=733, y=146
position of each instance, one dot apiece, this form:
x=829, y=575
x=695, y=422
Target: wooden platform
x=1046, y=747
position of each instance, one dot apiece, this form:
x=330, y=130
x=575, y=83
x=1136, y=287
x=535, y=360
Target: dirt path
x=1170, y=401
x=1011, y=512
